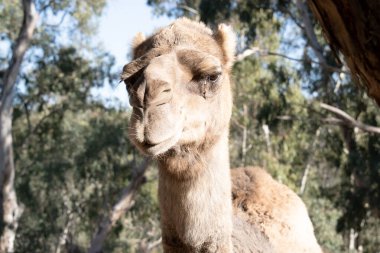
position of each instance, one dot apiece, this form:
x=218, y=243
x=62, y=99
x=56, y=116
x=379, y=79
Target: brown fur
x=275, y=209
x=179, y=88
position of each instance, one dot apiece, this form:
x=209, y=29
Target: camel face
x=179, y=89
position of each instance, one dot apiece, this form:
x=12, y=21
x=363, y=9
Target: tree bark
x=70, y=216
x=352, y=27
x=309, y=161
x=350, y=120
x=245, y=136
x=10, y=210
x=266, y=131
x=309, y=31
x=124, y=204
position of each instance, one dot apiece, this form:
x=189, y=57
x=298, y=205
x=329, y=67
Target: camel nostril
x=157, y=92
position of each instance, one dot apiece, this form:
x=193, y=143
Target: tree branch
x=33, y=130
x=344, y=116
x=60, y=21
x=308, y=28
x=329, y=120
x=146, y=247
x=344, y=119
x=262, y=52
x=21, y=45
x=189, y=9
x=124, y=204
x=46, y=6
x=27, y=113
x=247, y=52
x=292, y=17
x=309, y=161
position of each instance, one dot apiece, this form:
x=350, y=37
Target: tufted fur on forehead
x=137, y=40
x=186, y=33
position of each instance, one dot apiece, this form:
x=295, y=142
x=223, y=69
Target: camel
x=180, y=92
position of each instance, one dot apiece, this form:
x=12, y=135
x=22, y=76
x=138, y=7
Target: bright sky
x=121, y=20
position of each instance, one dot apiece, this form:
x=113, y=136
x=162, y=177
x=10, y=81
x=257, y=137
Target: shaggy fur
x=179, y=86
x=275, y=209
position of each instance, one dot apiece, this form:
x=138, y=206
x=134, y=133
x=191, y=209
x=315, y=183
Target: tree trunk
x=352, y=27
x=266, y=130
x=309, y=161
x=10, y=210
x=70, y=216
x=245, y=136
x=124, y=204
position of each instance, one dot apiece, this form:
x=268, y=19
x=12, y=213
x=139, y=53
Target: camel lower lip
x=159, y=148
x=150, y=145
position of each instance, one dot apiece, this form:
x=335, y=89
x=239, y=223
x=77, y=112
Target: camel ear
x=226, y=38
x=136, y=42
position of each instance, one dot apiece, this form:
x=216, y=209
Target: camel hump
x=275, y=209
x=254, y=186
x=247, y=237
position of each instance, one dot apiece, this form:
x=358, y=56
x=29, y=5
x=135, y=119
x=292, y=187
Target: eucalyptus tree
x=30, y=30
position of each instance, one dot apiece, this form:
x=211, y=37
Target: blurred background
x=72, y=157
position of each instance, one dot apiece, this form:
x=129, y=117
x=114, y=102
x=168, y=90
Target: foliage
x=73, y=157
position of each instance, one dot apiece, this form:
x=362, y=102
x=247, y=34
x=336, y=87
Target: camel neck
x=197, y=207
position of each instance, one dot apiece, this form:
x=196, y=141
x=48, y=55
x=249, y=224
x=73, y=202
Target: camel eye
x=213, y=77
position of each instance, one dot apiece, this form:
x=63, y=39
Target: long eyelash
x=134, y=117
x=132, y=92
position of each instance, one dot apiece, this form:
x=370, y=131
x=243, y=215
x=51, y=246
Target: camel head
x=179, y=87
